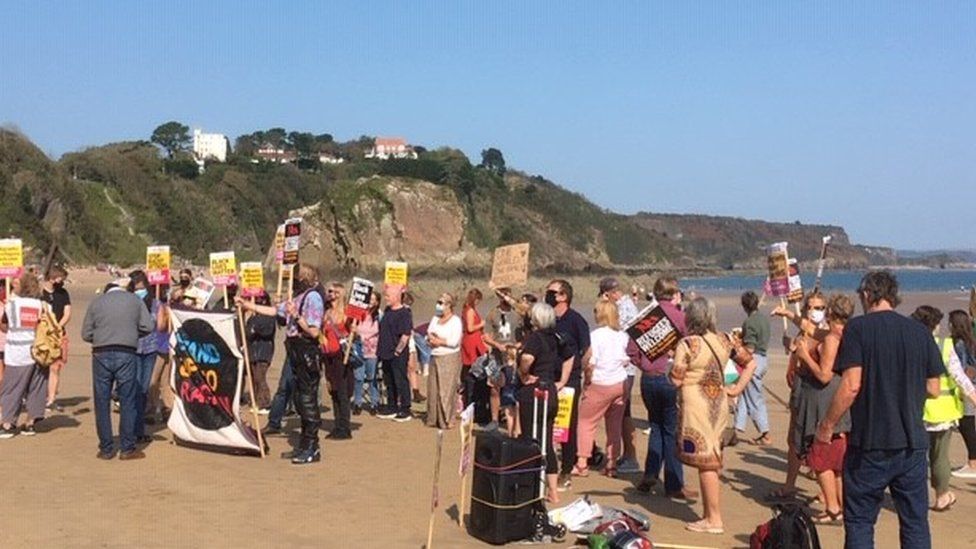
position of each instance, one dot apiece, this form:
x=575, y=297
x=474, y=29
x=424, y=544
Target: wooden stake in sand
x=250, y=378
x=434, y=495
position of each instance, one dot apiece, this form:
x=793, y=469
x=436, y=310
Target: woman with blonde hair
x=604, y=381
x=338, y=376
x=444, y=336
x=24, y=382
x=703, y=402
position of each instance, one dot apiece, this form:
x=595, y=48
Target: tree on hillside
x=492, y=159
x=172, y=136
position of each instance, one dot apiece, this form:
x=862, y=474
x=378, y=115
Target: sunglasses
x=823, y=308
x=440, y=302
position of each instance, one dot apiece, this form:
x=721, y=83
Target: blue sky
x=855, y=113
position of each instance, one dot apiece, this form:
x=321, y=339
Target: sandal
x=947, y=506
x=762, y=440
x=703, y=527
x=577, y=472
x=826, y=518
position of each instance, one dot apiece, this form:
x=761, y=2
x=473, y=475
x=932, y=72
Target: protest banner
x=777, y=261
x=157, y=265
x=358, y=306
x=796, y=284
x=510, y=266
x=564, y=415
x=11, y=259
x=206, y=378
x=293, y=241
x=395, y=273
x=252, y=279
x=654, y=332
x=466, y=428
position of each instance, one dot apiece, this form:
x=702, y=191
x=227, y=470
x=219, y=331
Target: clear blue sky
x=855, y=113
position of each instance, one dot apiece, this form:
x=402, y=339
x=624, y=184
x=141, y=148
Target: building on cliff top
x=391, y=147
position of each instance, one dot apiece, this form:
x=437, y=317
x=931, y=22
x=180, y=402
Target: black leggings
x=967, y=428
x=526, y=402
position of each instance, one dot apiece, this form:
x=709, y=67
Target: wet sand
x=373, y=491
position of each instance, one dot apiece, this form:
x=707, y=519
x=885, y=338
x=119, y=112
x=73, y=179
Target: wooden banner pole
x=786, y=324
x=349, y=342
x=281, y=276
x=291, y=280
x=250, y=379
x=434, y=495
x=226, y=299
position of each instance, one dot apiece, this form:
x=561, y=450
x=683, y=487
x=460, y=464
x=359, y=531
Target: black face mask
x=299, y=286
x=550, y=298
x=184, y=283
x=58, y=285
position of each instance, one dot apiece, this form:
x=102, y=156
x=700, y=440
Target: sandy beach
x=373, y=491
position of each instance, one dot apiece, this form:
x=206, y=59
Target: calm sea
x=909, y=280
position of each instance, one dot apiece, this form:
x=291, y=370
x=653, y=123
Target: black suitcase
x=504, y=497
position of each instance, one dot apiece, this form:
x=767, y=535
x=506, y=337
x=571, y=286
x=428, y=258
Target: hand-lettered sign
x=510, y=266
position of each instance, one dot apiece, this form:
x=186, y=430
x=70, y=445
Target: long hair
x=474, y=295
x=961, y=329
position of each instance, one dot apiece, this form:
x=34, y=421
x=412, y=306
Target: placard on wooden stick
x=252, y=279
x=395, y=273
x=510, y=266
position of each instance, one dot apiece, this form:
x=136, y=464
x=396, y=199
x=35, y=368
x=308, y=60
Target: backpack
x=790, y=528
x=47, y=349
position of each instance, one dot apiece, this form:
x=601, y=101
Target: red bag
x=828, y=457
x=329, y=339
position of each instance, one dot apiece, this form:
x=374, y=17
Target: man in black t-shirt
x=58, y=299
x=889, y=365
x=396, y=325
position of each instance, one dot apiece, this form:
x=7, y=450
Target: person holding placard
x=147, y=349
x=260, y=331
x=59, y=300
x=368, y=331
x=337, y=373
x=444, y=334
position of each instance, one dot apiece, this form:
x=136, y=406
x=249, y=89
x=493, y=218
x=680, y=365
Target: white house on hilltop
x=209, y=146
x=391, y=147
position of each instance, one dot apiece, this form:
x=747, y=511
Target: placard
x=223, y=268
x=11, y=258
x=564, y=415
x=252, y=279
x=654, y=332
x=510, y=266
x=777, y=261
x=198, y=295
x=157, y=264
x=796, y=284
x=293, y=241
x=358, y=306
x=279, y=243
x=395, y=273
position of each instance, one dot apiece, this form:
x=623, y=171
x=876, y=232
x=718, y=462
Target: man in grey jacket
x=113, y=324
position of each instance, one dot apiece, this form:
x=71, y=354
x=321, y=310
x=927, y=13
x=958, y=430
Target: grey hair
x=542, y=316
x=700, y=316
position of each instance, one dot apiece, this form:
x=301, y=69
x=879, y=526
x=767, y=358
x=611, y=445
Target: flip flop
x=947, y=506
x=702, y=528
x=762, y=440
x=577, y=472
x=827, y=518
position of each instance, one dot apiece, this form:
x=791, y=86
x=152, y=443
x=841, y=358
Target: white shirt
x=609, y=358
x=450, y=332
x=23, y=314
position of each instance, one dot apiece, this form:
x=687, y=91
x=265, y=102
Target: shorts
x=828, y=457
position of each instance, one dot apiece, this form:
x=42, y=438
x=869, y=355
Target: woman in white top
x=605, y=374
x=444, y=336
x=23, y=381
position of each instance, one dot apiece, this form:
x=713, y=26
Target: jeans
x=286, y=388
x=143, y=378
x=866, y=475
x=423, y=349
x=337, y=375
x=305, y=358
x=752, y=403
x=115, y=368
x=397, y=384
x=365, y=375
x=660, y=398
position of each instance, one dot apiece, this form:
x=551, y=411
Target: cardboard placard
x=395, y=273
x=293, y=241
x=358, y=306
x=564, y=415
x=466, y=428
x=157, y=264
x=778, y=263
x=223, y=268
x=252, y=279
x=796, y=284
x=510, y=266
x=11, y=257
x=199, y=293
x=279, y=243
x=654, y=332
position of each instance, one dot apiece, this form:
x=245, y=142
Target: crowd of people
x=874, y=398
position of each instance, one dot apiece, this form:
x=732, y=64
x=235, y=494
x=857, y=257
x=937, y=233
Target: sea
x=909, y=280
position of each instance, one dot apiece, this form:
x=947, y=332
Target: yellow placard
x=223, y=268
x=510, y=266
x=157, y=264
x=252, y=279
x=396, y=273
x=564, y=415
x=11, y=257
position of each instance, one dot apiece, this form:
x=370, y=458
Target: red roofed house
x=391, y=147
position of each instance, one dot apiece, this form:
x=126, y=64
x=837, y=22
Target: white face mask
x=817, y=317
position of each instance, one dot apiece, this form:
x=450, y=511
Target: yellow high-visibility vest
x=948, y=405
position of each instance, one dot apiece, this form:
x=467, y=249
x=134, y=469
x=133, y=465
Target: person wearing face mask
x=574, y=334
x=444, y=336
x=303, y=317
x=146, y=350
x=180, y=292
x=59, y=300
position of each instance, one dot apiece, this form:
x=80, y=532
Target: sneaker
x=402, y=417
x=7, y=432
x=132, y=454
x=304, y=457
x=564, y=483
x=628, y=466
x=28, y=431
x=264, y=411
x=271, y=430
x=106, y=455
x=339, y=435
x=965, y=472
x=386, y=413
x=53, y=407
